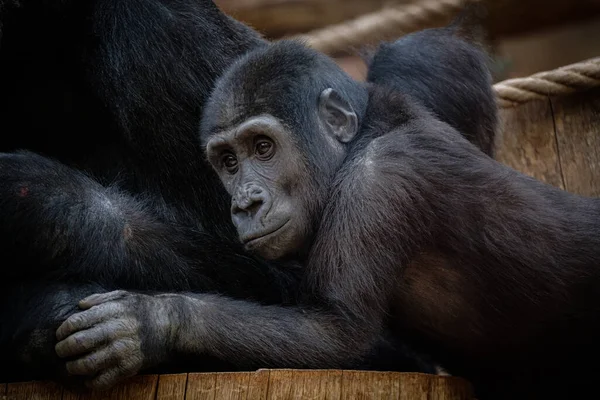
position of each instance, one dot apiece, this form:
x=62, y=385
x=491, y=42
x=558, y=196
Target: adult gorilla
x=113, y=90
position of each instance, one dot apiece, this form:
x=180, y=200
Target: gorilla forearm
x=268, y=336
x=248, y=334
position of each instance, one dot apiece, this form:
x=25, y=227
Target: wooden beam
x=278, y=18
x=556, y=140
x=264, y=384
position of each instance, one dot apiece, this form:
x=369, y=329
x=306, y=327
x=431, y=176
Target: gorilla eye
x=230, y=163
x=264, y=149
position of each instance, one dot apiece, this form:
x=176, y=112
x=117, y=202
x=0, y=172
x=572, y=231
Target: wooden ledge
x=262, y=384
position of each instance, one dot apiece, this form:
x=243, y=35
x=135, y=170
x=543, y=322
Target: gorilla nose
x=250, y=201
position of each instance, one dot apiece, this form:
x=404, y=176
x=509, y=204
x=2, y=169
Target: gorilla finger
x=84, y=320
x=107, y=379
x=93, y=363
x=99, y=298
x=82, y=342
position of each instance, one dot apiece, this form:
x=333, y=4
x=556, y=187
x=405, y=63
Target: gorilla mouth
x=261, y=235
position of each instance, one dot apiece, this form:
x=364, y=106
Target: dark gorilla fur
x=420, y=66
x=114, y=192
x=402, y=225
x=112, y=91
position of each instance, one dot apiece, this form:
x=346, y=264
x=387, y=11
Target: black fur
x=420, y=65
x=113, y=89
x=114, y=192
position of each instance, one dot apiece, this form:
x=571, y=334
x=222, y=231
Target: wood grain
x=305, y=384
x=34, y=391
x=448, y=389
x=258, y=385
x=527, y=141
x=232, y=386
x=370, y=385
x=141, y=387
x=577, y=120
x=265, y=384
x=201, y=386
x=171, y=387
x=278, y=18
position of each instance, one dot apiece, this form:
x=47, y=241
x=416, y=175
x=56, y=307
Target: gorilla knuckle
x=89, y=364
x=74, y=322
x=125, y=348
x=62, y=349
x=80, y=341
x=84, y=366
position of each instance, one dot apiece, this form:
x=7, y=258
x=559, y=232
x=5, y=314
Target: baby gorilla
x=400, y=221
x=402, y=225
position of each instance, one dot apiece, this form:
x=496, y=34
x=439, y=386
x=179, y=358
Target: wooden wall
x=556, y=140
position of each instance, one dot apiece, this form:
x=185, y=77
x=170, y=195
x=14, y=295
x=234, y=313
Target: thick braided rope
x=564, y=80
x=389, y=22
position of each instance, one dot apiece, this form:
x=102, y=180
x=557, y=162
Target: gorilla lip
x=253, y=238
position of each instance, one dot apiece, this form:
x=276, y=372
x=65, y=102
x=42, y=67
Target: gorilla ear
x=337, y=116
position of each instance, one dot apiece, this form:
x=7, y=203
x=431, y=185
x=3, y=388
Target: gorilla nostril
x=249, y=200
x=254, y=206
x=248, y=205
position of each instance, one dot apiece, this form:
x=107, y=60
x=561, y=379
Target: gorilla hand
x=118, y=334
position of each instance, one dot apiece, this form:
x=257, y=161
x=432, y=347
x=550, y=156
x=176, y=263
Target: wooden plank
x=450, y=388
x=171, y=387
x=232, y=385
x=72, y=395
x=34, y=391
x=280, y=384
x=200, y=386
x=577, y=120
x=258, y=385
x=305, y=384
x=3, y=389
x=371, y=385
x=142, y=387
x=415, y=386
x=527, y=141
